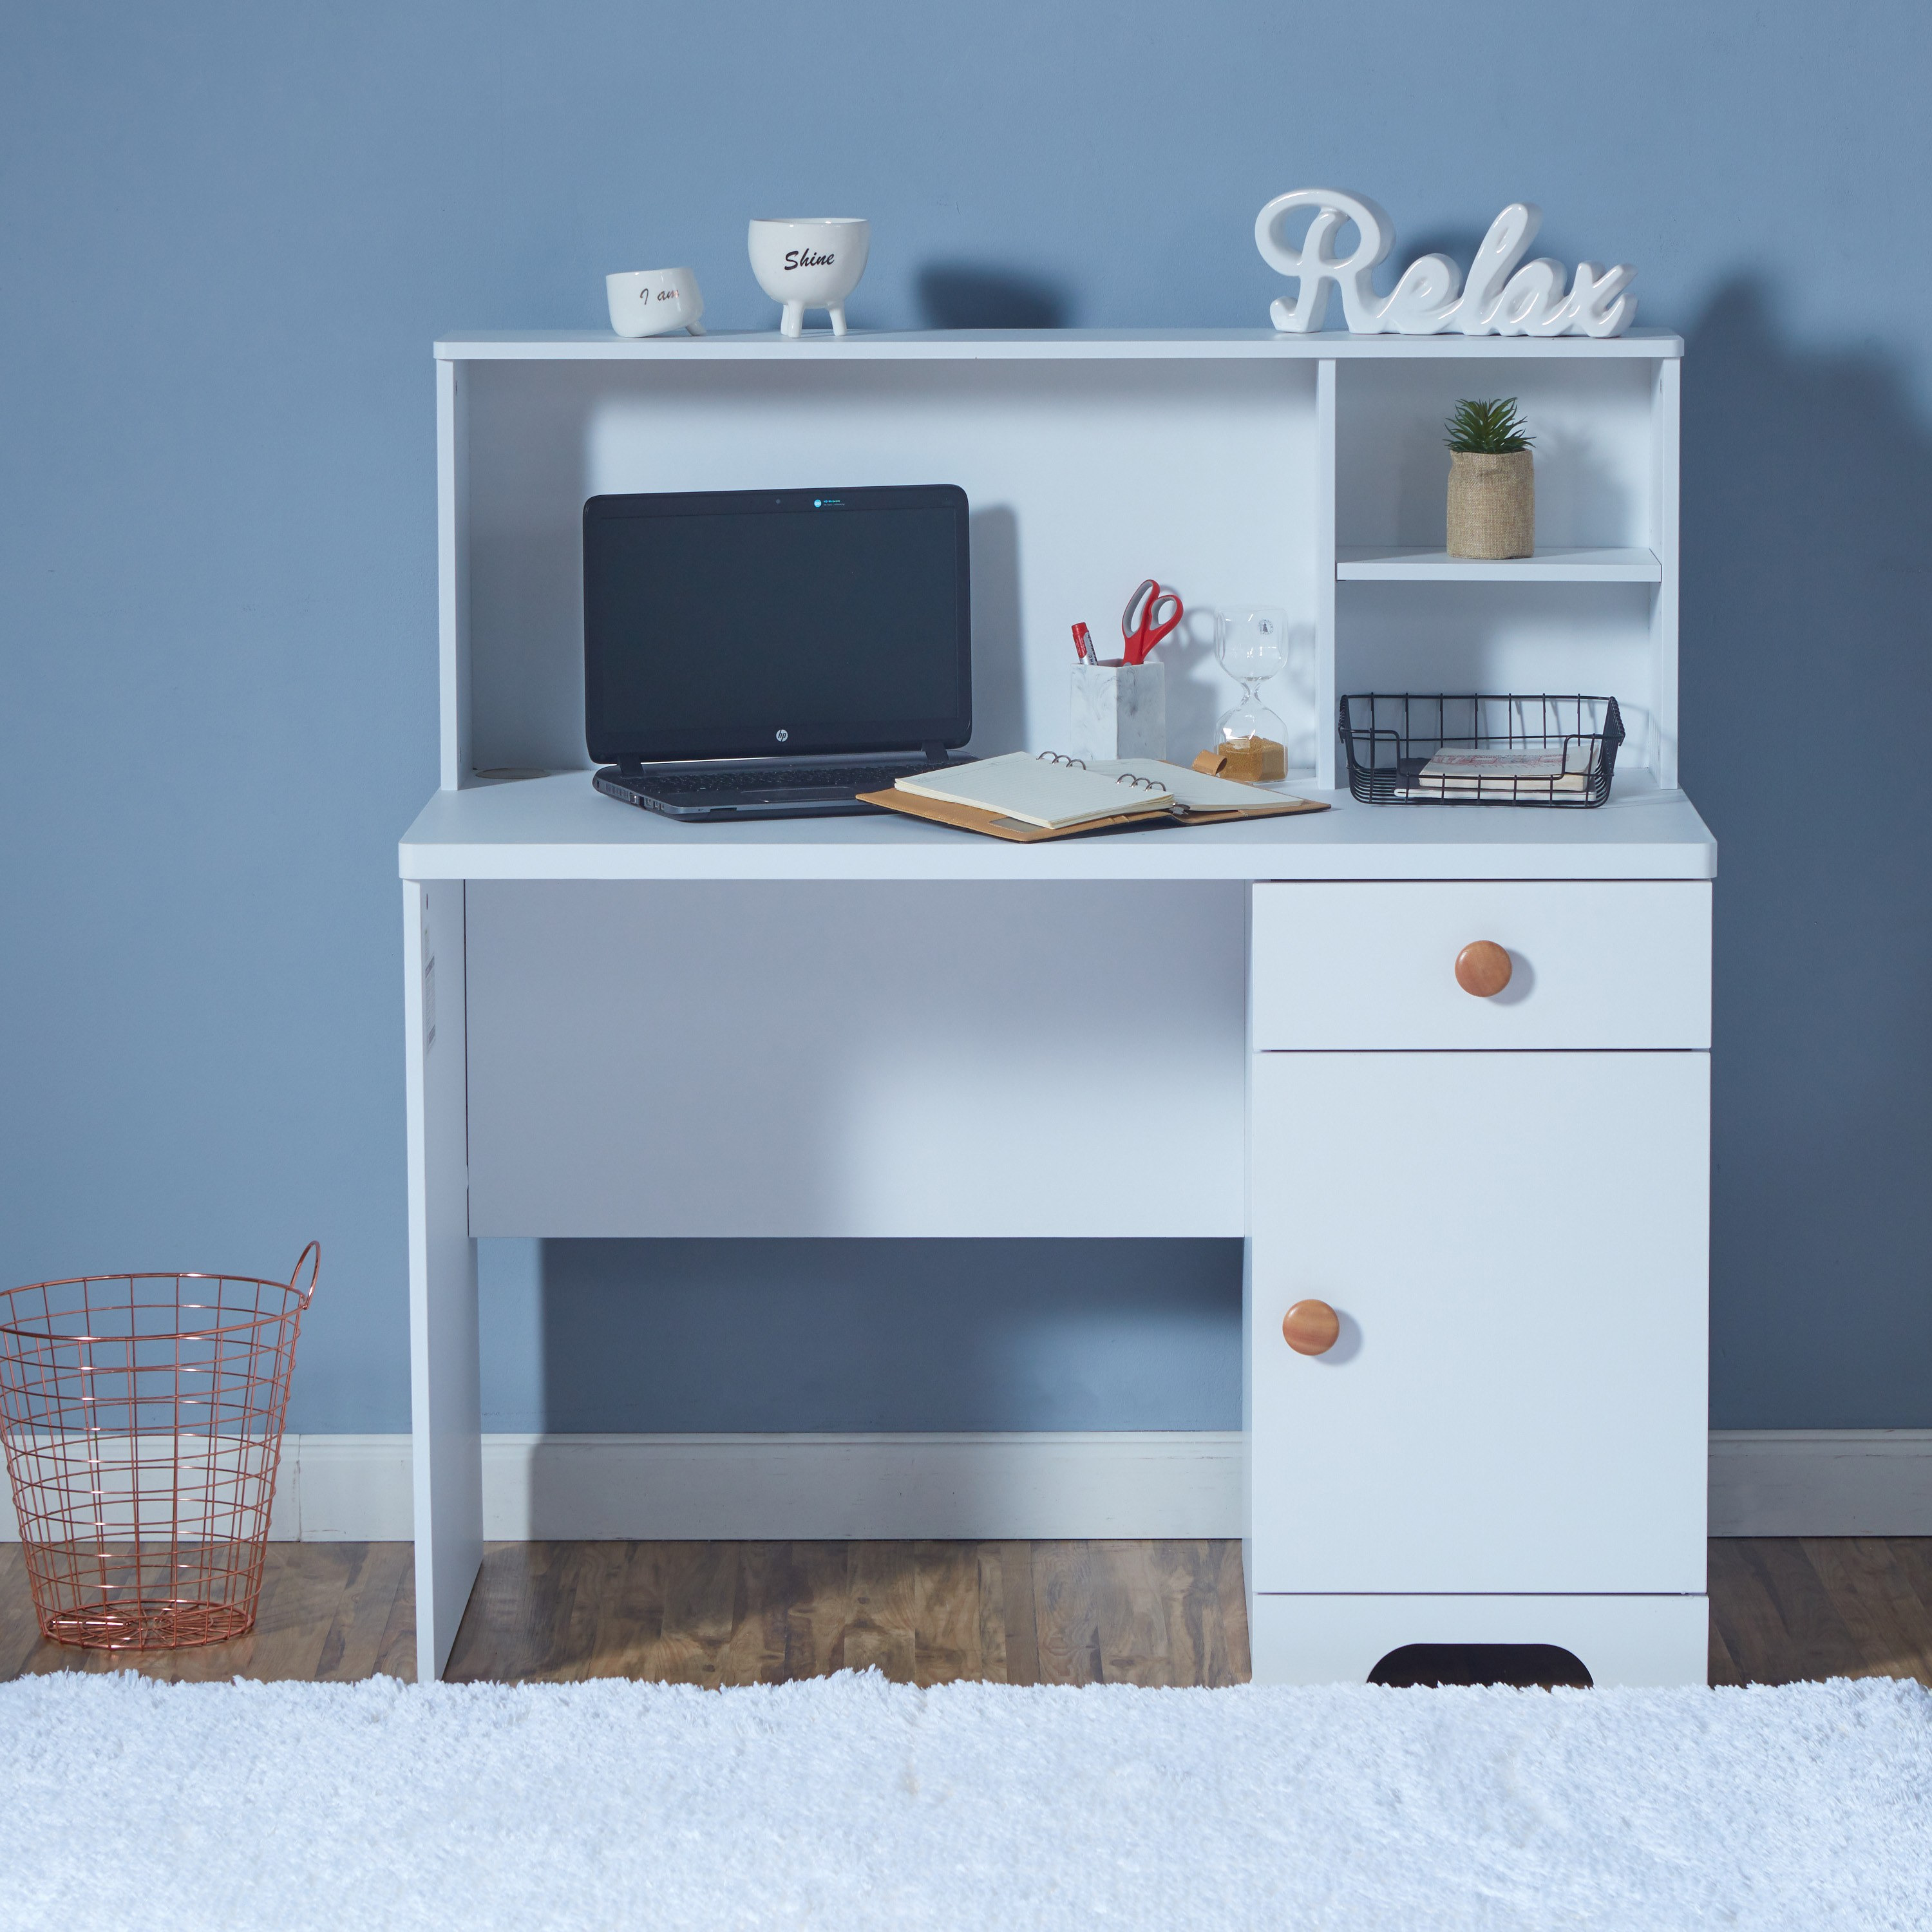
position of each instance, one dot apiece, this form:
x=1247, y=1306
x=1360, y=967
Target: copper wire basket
x=142, y=1415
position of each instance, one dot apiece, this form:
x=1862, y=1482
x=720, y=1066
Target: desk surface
x=558, y=827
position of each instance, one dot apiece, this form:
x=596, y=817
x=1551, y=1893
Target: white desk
x=536, y=898
x=1503, y=1199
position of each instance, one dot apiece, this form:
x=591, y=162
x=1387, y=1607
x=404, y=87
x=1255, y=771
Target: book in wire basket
x=1480, y=748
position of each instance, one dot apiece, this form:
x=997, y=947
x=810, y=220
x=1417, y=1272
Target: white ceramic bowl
x=651, y=301
x=809, y=264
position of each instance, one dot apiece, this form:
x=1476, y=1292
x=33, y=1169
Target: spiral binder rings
x=1060, y=758
x=1025, y=798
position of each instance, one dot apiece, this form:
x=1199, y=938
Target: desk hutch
x=1503, y=1199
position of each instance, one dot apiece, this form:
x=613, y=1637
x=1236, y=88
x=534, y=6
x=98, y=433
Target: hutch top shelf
x=975, y=345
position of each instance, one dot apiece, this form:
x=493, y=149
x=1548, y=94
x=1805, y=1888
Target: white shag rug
x=849, y=1802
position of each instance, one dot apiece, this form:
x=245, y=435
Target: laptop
x=767, y=654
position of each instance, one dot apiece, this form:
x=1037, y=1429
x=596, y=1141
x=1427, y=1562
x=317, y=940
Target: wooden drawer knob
x=1311, y=1328
x=1482, y=967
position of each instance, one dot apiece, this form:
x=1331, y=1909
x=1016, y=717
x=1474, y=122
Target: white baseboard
x=752, y=1488
x=345, y=1489
x=1116, y=1483
x=1871, y=1482
x=1821, y=1482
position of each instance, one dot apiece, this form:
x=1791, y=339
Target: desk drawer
x=1590, y=964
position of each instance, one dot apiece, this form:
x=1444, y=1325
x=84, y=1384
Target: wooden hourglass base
x=1246, y=760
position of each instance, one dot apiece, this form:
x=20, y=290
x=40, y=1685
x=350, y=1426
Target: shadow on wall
x=1807, y=683
x=999, y=686
x=961, y=295
x=896, y=1336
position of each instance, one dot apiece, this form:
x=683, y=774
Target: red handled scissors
x=1141, y=625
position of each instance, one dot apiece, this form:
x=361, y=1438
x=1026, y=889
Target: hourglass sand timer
x=1251, y=641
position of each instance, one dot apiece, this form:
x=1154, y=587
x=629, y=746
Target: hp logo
x=783, y=736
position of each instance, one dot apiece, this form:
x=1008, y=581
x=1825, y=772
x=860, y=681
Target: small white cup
x=653, y=301
x=810, y=264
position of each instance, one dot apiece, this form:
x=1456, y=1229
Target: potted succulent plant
x=1492, y=481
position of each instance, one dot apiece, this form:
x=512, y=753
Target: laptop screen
x=738, y=623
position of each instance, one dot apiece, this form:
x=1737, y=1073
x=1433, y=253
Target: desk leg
x=445, y=1391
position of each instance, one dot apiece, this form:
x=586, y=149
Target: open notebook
x=1027, y=796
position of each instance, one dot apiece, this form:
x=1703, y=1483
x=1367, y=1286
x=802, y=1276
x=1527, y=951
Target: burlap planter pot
x=1491, y=504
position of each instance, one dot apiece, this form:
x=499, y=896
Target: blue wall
x=229, y=233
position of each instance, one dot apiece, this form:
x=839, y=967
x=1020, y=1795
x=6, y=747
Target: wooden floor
x=1013, y=1613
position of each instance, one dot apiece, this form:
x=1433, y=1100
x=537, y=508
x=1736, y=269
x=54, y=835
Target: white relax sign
x=1500, y=299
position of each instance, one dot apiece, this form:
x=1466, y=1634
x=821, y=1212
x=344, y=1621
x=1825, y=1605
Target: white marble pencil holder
x=1119, y=711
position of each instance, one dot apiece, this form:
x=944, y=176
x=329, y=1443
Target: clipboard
x=1016, y=831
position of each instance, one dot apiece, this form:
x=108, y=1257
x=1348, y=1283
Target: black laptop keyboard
x=785, y=778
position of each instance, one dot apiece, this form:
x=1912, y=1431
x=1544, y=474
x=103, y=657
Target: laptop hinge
x=630, y=768
x=933, y=751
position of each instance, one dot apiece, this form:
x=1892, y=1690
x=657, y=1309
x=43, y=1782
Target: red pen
x=1083, y=645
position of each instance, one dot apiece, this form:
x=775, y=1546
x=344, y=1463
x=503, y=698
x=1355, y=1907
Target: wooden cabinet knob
x=1482, y=967
x=1311, y=1328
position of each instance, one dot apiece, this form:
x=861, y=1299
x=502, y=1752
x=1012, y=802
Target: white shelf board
x=968, y=345
x=1396, y=564
x=560, y=827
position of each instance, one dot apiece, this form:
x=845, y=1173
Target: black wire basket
x=1390, y=738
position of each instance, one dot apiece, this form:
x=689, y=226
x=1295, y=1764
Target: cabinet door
x=1516, y=1245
